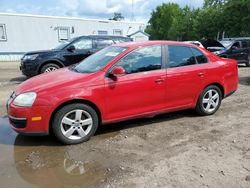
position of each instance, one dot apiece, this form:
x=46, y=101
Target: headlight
x=30, y=57
x=25, y=99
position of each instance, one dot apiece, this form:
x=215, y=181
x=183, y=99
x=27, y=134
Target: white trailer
x=20, y=33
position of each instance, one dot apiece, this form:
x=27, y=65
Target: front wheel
x=209, y=101
x=75, y=123
x=49, y=68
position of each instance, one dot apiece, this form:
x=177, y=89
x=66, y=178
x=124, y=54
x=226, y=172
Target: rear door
x=185, y=76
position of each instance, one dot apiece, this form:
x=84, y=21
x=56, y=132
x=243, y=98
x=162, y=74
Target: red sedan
x=122, y=82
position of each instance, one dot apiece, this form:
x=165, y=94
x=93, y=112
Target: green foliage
x=169, y=21
x=117, y=16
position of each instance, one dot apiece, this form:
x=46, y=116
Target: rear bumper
x=229, y=94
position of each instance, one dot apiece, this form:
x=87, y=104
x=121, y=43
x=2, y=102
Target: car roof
x=106, y=36
x=236, y=39
x=102, y=36
x=150, y=43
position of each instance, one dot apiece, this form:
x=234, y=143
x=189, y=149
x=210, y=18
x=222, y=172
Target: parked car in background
x=197, y=43
x=68, y=53
x=209, y=44
x=236, y=48
x=118, y=83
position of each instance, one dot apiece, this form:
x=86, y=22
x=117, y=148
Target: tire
x=75, y=123
x=248, y=63
x=49, y=68
x=209, y=101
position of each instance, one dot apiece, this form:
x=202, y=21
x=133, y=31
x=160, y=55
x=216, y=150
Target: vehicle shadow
x=19, y=79
x=244, y=80
x=144, y=121
x=105, y=129
x=243, y=66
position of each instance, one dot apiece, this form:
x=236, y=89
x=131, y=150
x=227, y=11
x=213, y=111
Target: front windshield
x=98, y=60
x=63, y=44
x=226, y=43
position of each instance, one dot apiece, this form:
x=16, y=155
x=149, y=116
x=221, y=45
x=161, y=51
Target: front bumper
x=18, y=123
x=29, y=68
x=25, y=120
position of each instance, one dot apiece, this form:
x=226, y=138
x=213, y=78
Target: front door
x=83, y=49
x=237, y=52
x=142, y=89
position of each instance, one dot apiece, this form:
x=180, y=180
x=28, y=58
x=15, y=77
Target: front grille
x=18, y=123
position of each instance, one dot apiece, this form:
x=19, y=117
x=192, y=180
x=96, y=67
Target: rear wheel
x=49, y=68
x=209, y=101
x=75, y=123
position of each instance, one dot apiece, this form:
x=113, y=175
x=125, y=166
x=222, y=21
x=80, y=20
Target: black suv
x=236, y=48
x=68, y=53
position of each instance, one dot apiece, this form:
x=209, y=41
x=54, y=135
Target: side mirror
x=117, y=71
x=71, y=48
x=234, y=47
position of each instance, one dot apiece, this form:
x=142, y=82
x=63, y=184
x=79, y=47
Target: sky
x=98, y=9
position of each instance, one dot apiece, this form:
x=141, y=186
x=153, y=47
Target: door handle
x=201, y=74
x=159, y=80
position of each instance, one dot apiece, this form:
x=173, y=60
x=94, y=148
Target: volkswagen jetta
x=121, y=82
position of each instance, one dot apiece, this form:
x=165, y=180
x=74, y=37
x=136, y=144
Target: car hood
x=59, y=79
x=211, y=43
x=41, y=52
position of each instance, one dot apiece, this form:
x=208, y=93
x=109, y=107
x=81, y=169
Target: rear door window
x=245, y=44
x=180, y=56
x=102, y=43
x=200, y=57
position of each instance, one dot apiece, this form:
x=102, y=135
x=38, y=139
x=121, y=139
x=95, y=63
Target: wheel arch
x=83, y=101
x=51, y=61
x=220, y=86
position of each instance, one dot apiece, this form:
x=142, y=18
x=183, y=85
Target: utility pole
x=132, y=12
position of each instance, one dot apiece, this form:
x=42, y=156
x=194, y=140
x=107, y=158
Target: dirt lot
x=173, y=150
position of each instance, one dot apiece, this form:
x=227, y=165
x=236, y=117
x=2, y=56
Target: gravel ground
x=178, y=149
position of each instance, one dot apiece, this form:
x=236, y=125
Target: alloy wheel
x=76, y=124
x=50, y=69
x=210, y=100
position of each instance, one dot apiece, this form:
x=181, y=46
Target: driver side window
x=142, y=59
x=83, y=44
x=236, y=45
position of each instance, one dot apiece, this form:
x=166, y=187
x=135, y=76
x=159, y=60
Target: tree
x=169, y=21
x=117, y=16
x=237, y=18
x=162, y=19
x=210, y=22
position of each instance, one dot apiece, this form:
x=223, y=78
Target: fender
x=50, y=60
